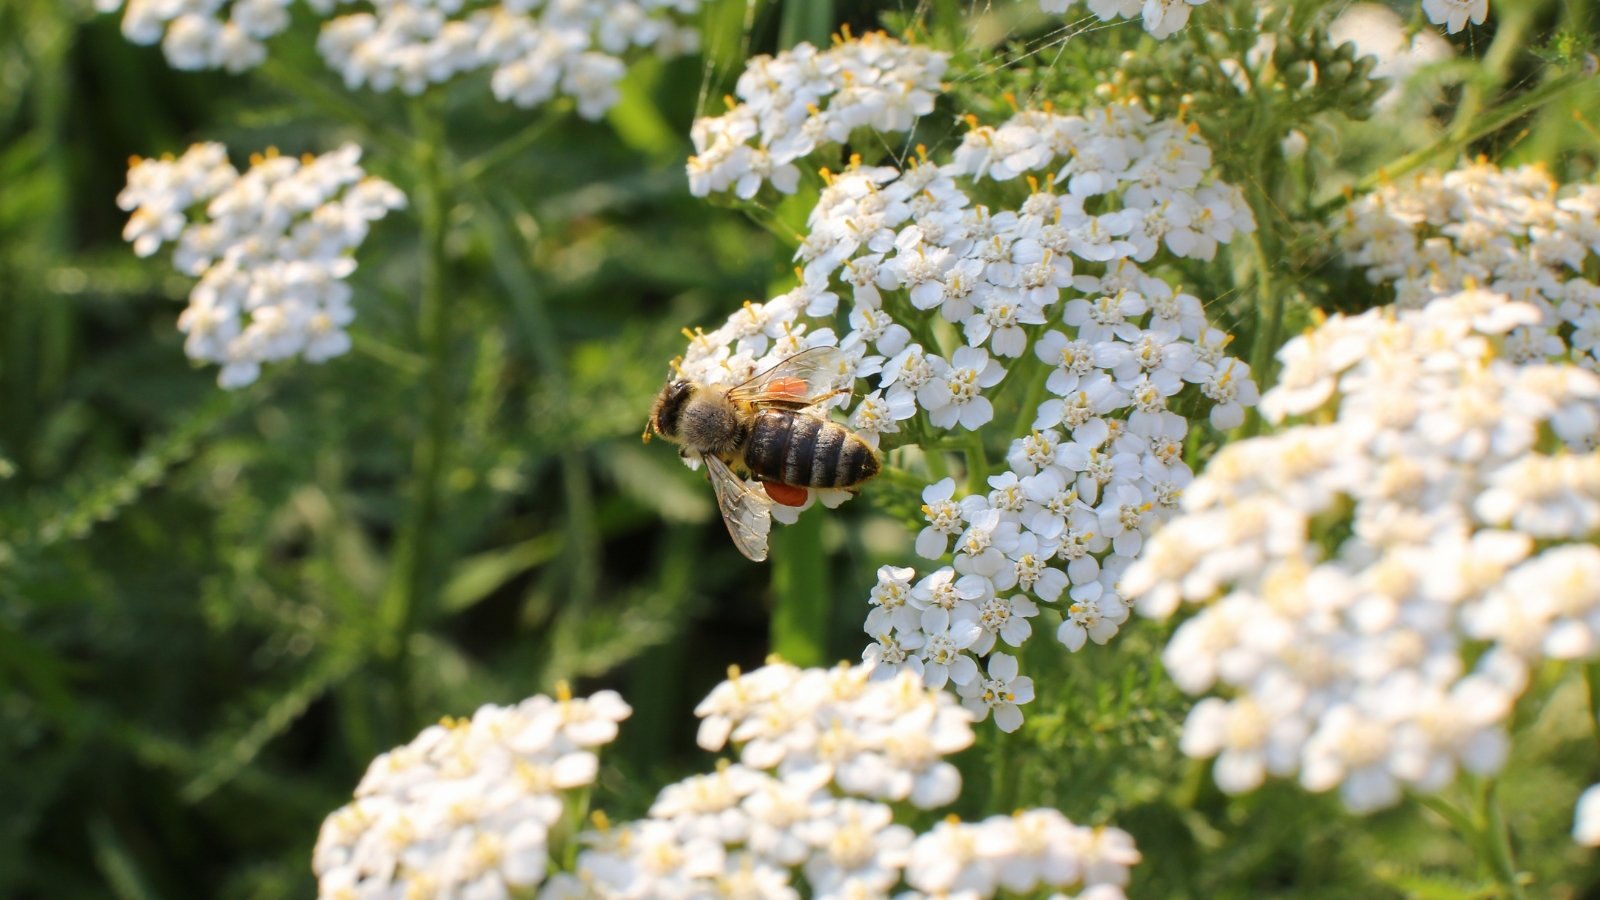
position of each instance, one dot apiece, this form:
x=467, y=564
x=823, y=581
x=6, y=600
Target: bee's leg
x=786, y=494
x=794, y=387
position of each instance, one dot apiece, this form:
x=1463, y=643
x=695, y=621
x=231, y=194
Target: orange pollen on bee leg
x=785, y=494
x=794, y=387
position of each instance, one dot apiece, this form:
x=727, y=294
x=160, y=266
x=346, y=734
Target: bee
x=772, y=426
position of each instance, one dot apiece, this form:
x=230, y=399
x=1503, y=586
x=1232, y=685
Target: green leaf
x=116, y=864
x=655, y=481
x=637, y=117
x=476, y=577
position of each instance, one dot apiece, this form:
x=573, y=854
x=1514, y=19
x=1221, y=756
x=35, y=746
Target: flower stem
x=1497, y=841
x=977, y=464
x=1485, y=832
x=336, y=103
x=1457, y=138
x=1591, y=677
x=554, y=114
x=803, y=599
x=511, y=265
x=1269, y=324
x=409, y=581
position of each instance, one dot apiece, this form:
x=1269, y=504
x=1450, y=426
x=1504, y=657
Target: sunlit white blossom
x=466, y=808
x=271, y=249
x=1457, y=524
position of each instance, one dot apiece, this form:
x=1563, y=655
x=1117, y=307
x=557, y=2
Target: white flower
x=1586, y=821
x=957, y=395
x=529, y=51
x=790, y=103
x=1094, y=614
x=1000, y=691
x=1105, y=462
x=1162, y=18
x=466, y=806
x=1348, y=661
x=944, y=519
x=1453, y=14
x=271, y=251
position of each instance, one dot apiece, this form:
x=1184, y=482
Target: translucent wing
x=746, y=511
x=805, y=379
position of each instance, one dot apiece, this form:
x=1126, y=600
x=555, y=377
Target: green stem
x=336, y=103
x=1456, y=139
x=404, y=361
x=805, y=20
x=1497, y=842
x=511, y=266
x=1591, y=677
x=554, y=114
x=1030, y=402
x=1485, y=832
x=409, y=582
x=1269, y=323
x=802, y=599
x=1512, y=21
x=902, y=478
x=977, y=464
x=938, y=469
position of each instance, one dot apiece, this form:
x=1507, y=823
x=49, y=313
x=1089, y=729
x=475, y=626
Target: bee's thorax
x=709, y=423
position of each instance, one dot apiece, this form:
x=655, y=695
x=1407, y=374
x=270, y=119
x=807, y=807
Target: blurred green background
x=216, y=608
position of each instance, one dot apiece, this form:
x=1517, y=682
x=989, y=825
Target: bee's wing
x=804, y=379
x=746, y=511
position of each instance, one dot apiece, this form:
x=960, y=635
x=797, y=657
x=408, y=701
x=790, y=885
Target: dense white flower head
x=1347, y=570
x=1513, y=231
x=820, y=751
x=532, y=49
x=466, y=808
x=1052, y=285
x=790, y=104
x=215, y=34
x=1161, y=18
x=271, y=248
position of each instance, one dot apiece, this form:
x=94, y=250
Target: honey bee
x=774, y=427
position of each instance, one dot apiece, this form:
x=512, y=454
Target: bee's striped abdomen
x=806, y=451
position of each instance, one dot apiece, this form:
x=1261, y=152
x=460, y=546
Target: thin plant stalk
x=414, y=562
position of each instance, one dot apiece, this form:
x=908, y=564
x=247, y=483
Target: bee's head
x=664, y=413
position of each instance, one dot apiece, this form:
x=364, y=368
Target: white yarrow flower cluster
x=820, y=753
x=1513, y=231
x=804, y=97
x=533, y=49
x=1347, y=570
x=1162, y=18
x=271, y=249
x=213, y=34
x=1102, y=461
x=466, y=809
